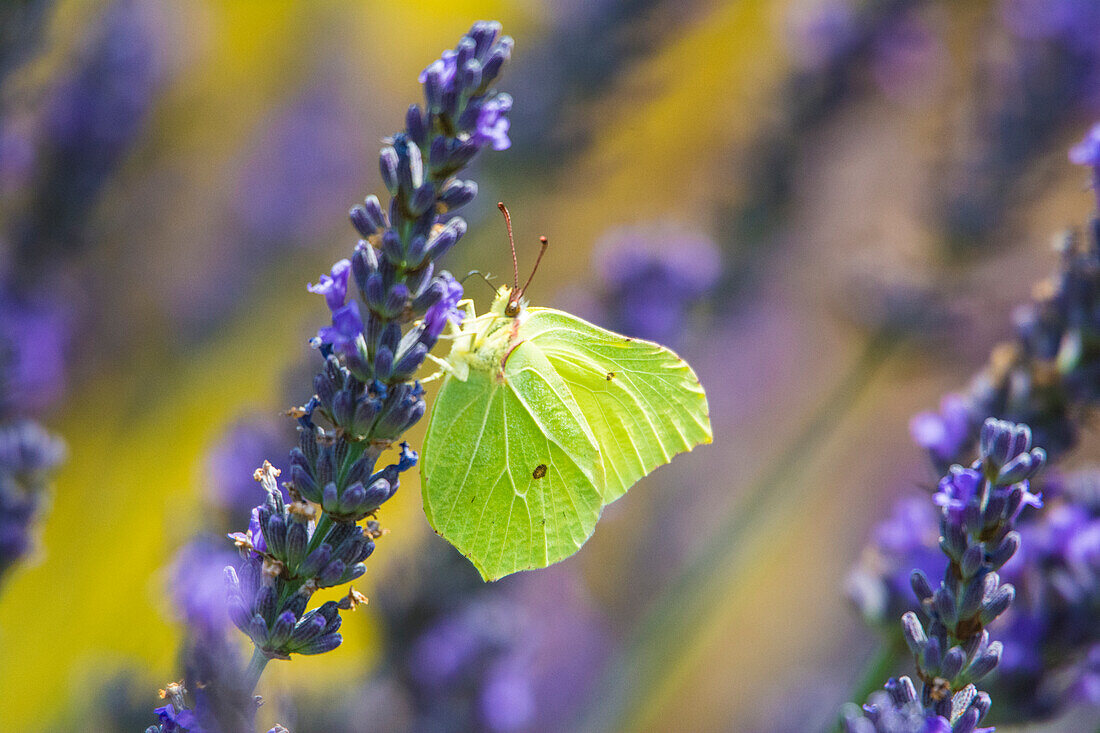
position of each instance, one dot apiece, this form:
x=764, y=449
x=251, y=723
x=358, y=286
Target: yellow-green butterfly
x=541, y=421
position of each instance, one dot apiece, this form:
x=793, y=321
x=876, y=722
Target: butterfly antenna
x=545, y=243
x=483, y=275
x=512, y=244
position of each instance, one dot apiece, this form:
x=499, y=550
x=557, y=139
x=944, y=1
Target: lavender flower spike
x=979, y=507
x=365, y=396
x=1087, y=152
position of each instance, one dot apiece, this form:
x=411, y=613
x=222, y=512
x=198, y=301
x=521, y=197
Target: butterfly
x=541, y=421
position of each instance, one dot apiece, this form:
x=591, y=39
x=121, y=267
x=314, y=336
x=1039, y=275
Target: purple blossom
x=1087, y=152
x=651, y=275
x=256, y=534
x=445, y=67
x=231, y=464
x=958, y=488
x=197, y=584
x=906, y=540
x=173, y=720
x=507, y=698
x=943, y=433
x=345, y=330
x=445, y=309
x=335, y=286
x=37, y=336
x=493, y=123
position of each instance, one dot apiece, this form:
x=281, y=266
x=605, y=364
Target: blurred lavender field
x=833, y=209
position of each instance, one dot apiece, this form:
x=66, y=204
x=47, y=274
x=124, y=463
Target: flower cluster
x=28, y=456
x=978, y=507
x=652, y=276
x=90, y=121
x=1044, y=74
x=1047, y=375
x=366, y=395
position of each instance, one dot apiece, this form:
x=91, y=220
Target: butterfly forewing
x=641, y=401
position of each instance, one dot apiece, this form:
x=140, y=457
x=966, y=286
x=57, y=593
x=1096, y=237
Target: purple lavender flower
x=346, y=328
x=365, y=395
x=197, y=585
x=335, y=286
x=92, y=118
x=952, y=649
x=28, y=457
x=907, y=540
x=232, y=462
x=36, y=338
x=445, y=309
x=306, y=159
x=492, y=123
x=957, y=489
x=945, y=433
x=651, y=276
x=1087, y=152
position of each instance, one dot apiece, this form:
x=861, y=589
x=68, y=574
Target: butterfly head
x=509, y=303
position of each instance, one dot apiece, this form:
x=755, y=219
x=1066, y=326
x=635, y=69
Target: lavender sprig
x=1047, y=374
x=365, y=397
x=979, y=507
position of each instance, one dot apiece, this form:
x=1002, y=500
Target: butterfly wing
x=511, y=473
x=642, y=402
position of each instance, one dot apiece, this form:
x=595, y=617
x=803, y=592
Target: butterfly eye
x=512, y=309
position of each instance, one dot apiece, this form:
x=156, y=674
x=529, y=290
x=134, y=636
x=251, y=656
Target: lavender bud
x=914, y=633
x=304, y=483
x=415, y=126
x=282, y=629
x=944, y=602
x=423, y=198
x=320, y=645
x=316, y=560
x=1023, y=466
x=966, y=723
x=331, y=573
x=437, y=153
x=392, y=249
x=374, y=293
x=987, y=662
x=953, y=662
x=1005, y=550
x=997, y=603
x=433, y=86
x=931, y=656
x=297, y=539
x=457, y=193
x=360, y=221
x=275, y=535
x=973, y=592
x=330, y=498
x=387, y=164
x=921, y=587
x=464, y=51
x=971, y=561
x=470, y=76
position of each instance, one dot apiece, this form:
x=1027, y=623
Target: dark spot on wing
x=610, y=376
x=539, y=472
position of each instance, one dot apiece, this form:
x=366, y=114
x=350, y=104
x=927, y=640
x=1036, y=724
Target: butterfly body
x=541, y=421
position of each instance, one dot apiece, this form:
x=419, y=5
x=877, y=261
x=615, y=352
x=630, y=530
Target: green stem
x=255, y=669
x=686, y=602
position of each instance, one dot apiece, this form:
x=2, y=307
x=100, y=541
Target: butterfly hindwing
x=512, y=474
